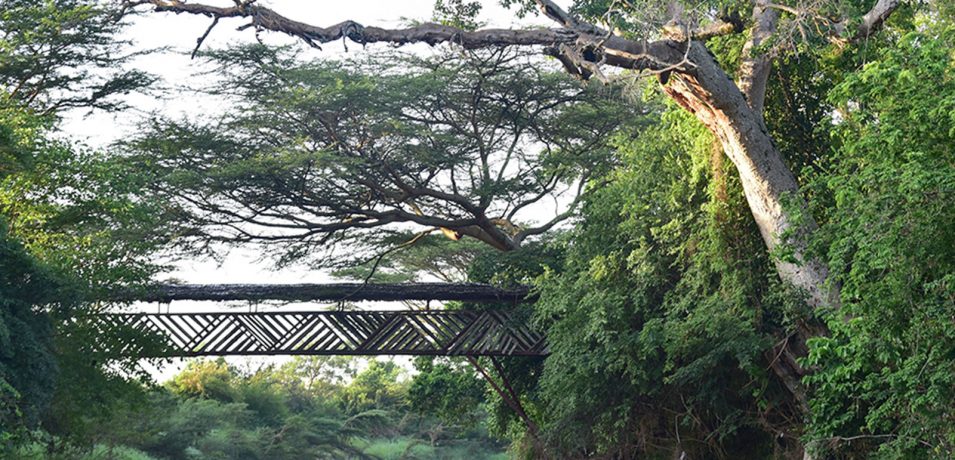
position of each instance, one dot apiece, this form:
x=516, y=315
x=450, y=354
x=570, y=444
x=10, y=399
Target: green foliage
x=659, y=319
x=309, y=408
x=62, y=54
x=516, y=267
x=642, y=18
x=27, y=364
x=376, y=386
x=449, y=389
x=886, y=378
x=314, y=380
x=94, y=401
x=403, y=448
x=71, y=227
x=77, y=211
x=431, y=256
x=99, y=452
x=74, y=209
x=458, y=13
x=206, y=379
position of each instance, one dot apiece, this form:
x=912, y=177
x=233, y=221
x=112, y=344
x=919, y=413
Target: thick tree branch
x=557, y=14
x=756, y=66
x=570, y=62
x=619, y=51
x=491, y=235
x=263, y=18
x=729, y=24
x=873, y=20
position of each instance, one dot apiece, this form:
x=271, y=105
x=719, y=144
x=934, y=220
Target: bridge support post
x=510, y=397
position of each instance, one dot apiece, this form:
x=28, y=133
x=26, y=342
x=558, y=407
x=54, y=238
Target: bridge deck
x=446, y=333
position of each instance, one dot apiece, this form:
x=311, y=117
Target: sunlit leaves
x=886, y=374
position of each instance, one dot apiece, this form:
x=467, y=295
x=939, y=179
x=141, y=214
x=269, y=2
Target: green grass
x=100, y=452
x=406, y=448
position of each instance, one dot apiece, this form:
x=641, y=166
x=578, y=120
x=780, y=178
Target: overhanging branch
x=263, y=18
x=620, y=52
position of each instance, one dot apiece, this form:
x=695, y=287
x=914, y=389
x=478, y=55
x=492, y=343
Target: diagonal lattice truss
x=451, y=333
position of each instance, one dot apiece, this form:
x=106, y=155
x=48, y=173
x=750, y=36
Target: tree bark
x=754, y=68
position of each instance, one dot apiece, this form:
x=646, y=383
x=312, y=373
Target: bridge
x=470, y=333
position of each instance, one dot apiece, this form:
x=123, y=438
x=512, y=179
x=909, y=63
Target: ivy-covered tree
x=661, y=320
x=659, y=317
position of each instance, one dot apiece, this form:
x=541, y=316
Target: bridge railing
x=446, y=333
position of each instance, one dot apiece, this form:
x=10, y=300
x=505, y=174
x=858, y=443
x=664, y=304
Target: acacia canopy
x=318, y=154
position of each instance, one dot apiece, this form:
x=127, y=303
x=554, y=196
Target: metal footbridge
x=499, y=328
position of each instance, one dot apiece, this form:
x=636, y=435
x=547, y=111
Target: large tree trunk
x=771, y=192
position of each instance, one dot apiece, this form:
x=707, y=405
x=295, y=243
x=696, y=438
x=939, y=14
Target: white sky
x=178, y=33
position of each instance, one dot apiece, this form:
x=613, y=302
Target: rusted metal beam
x=333, y=292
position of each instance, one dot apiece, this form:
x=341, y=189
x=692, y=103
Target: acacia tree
x=691, y=75
x=359, y=154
